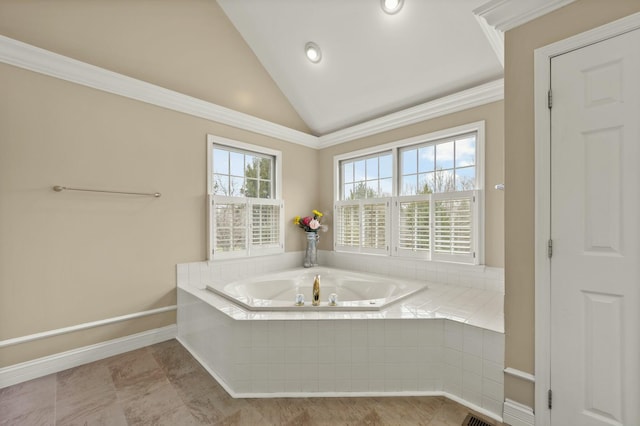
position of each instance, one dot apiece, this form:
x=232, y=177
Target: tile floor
x=164, y=385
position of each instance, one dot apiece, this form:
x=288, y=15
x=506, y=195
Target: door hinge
x=550, y=248
x=550, y=399
x=549, y=99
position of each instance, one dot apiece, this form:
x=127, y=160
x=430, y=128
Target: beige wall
x=189, y=46
x=69, y=258
x=520, y=43
x=493, y=114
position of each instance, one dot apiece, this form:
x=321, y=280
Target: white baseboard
x=29, y=370
x=516, y=414
x=234, y=394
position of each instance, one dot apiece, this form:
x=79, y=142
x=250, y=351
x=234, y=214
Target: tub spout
x=315, y=300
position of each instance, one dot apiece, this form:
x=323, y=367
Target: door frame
x=542, y=83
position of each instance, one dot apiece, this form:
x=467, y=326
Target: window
x=246, y=216
x=363, y=216
x=240, y=173
x=418, y=198
x=441, y=166
x=367, y=177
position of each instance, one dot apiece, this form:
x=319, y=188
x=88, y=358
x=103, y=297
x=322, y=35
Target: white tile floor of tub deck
x=473, y=306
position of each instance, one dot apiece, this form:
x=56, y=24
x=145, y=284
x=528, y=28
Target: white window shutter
x=362, y=225
x=453, y=226
x=242, y=226
x=375, y=225
x=266, y=226
x=229, y=225
x=414, y=226
x=347, y=223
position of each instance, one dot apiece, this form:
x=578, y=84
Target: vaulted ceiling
x=374, y=63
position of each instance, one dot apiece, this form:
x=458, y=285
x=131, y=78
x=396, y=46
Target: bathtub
x=355, y=290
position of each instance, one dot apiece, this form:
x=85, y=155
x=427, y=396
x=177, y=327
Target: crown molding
x=480, y=95
x=32, y=58
x=494, y=36
x=26, y=56
x=507, y=14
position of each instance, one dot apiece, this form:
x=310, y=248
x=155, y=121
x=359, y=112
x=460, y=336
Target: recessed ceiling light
x=391, y=6
x=313, y=52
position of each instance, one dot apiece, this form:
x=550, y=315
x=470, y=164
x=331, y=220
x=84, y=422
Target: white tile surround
x=468, y=294
x=449, y=338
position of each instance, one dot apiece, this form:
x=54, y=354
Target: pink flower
x=306, y=220
x=314, y=224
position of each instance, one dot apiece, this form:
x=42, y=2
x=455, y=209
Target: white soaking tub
x=354, y=290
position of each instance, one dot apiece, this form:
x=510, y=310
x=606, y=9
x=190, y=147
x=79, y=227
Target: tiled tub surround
x=447, y=340
x=467, y=294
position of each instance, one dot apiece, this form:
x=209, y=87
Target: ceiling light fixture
x=392, y=6
x=313, y=52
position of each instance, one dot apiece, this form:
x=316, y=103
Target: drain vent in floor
x=472, y=420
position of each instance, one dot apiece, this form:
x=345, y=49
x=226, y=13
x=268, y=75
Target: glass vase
x=311, y=254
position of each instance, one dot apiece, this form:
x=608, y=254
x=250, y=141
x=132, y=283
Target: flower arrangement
x=310, y=223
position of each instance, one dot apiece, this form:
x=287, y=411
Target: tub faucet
x=315, y=300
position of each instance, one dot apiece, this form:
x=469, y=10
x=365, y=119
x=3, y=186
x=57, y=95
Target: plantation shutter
x=375, y=225
x=414, y=226
x=266, y=226
x=242, y=226
x=228, y=220
x=362, y=225
x=347, y=223
x=453, y=225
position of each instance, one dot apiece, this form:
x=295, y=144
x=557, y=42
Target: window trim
x=478, y=127
x=277, y=197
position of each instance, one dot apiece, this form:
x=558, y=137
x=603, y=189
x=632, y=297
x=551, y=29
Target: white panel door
x=595, y=215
